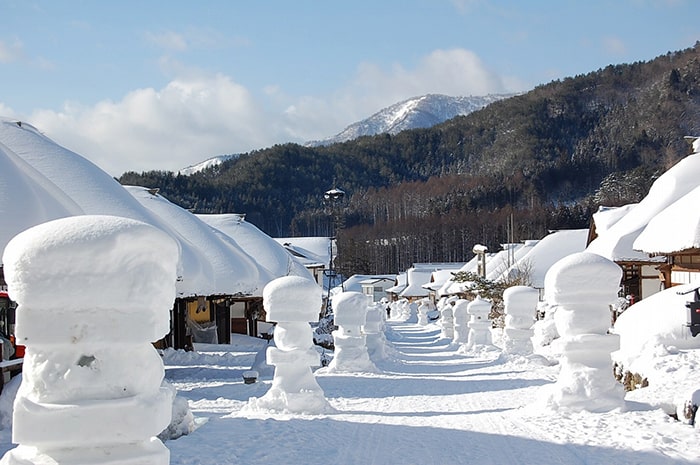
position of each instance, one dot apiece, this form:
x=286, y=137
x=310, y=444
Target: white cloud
x=198, y=115
x=450, y=72
x=614, y=45
x=168, y=40
x=10, y=52
x=185, y=122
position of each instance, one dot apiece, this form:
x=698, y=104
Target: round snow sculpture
x=582, y=286
x=350, y=311
x=93, y=292
x=520, y=307
x=292, y=302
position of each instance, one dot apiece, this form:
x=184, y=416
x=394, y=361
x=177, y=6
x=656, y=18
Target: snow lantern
x=292, y=302
x=520, y=307
x=461, y=317
x=447, y=328
x=479, y=324
x=350, y=312
x=374, y=331
x=93, y=293
x=582, y=286
x=424, y=306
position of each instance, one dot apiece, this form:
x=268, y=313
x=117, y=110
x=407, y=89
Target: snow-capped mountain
x=418, y=112
x=201, y=166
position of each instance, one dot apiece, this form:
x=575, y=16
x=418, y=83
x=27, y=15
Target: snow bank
x=655, y=323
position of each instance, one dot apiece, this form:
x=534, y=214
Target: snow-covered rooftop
x=41, y=181
x=310, y=250
x=267, y=252
x=674, y=229
x=617, y=242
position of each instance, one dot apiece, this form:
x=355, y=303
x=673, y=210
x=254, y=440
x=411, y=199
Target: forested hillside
x=547, y=158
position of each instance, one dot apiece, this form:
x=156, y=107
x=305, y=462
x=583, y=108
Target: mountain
x=513, y=170
x=417, y=112
x=208, y=163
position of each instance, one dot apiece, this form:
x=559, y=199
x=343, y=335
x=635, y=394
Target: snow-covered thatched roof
x=267, y=252
x=41, y=180
x=617, y=243
x=675, y=229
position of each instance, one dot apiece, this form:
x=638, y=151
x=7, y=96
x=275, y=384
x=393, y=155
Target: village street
x=428, y=405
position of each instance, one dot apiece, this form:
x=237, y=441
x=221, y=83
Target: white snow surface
x=606, y=217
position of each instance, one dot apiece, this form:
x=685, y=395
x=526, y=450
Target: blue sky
x=139, y=85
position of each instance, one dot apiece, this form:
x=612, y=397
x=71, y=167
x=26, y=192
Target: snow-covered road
x=429, y=405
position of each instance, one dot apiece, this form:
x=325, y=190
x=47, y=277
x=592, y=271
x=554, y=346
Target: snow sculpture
x=374, y=331
x=479, y=324
x=461, y=317
x=520, y=307
x=292, y=302
x=424, y=307
x=93, y=293
x=583, y=285
x=447, y=330
x=350, y=311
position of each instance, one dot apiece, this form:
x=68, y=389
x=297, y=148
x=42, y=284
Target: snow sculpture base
x=585, y=381
x=53, y=425
x=350, y=355
x=304, y=402
x=150, y=452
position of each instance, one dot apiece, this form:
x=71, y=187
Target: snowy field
x=429, y=405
